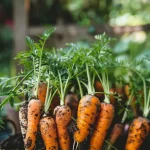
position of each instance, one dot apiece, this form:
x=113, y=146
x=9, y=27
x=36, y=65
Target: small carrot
x=112, y=98
x=138, y=131
x=88, y=109
x=49, y=133
x=102, y=124
x=63, y=118
x=72, y=101
x=115, y=133
x=42, y=89
x=99, y=88
x=23, y=110
x=34, y=113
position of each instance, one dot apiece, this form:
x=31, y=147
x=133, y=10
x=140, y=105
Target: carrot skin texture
x=63, y=118
x=102, y=125
x=138, y=131
x=115, y=133
x=23, y=110
x=49, y=133
x=88, y=109
x=34, y=113
x=42, y=89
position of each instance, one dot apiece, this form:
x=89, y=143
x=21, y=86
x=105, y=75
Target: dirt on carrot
x=102, y=125
x=35, y=108
x=62, y=119
x=49, y=133
x=88, y=110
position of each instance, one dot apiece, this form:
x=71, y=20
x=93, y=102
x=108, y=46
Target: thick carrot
x=63, y=118
x=49, y=133
x=23, y=110
x=88, y=109
x=115, y=133
x=102, y=124
x=42, y=89
x=72, y=101
x=138, y=131
x=34, y=114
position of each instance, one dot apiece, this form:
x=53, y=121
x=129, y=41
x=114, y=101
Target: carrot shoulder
x=34, y=113
x=48, y=132
x=88, y=109
x=138, y=131
x=63, y=118
x=102, y=124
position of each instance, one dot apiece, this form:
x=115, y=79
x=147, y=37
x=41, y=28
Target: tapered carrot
x=49, y=133
x=63, y=118
x=88, y=109
x=138, y=131
x=23, y=110
x=102, y=125
x=34, y=113
x=42, y=89
x=115, y=133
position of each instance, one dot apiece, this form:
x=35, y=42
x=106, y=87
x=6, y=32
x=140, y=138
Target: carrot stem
x=80, y=87
x=39, y=73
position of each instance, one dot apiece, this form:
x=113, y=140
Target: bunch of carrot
x=76, y=85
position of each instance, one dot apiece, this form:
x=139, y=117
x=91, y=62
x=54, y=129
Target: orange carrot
x=102, y=124
x=115, y=133
x=34, y=114
x=23, y=118
x=112, y=98
x=138, y=131
x=72, y=101
x=88, y=109
x=99, y=88
x=49, y=133
x=42, y=89
x=63, y=118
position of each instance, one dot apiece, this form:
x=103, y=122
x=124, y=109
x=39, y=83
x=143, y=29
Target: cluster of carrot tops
x=79, y=94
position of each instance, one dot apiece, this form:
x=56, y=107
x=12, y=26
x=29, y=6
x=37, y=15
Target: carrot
x=88, y=109
x=23, y=118
x=99, y=88
x=112, y=98
x=72, y=101
x=42, y=89
x=55, y=102
x=49, y=133
x=115, y=133
x=63, y=118
x=102, y=124
x=138, y=131
x=34, y=113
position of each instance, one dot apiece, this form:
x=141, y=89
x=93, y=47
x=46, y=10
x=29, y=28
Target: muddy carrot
x=23, y=110
x=138, y=131
x=34, y=114
x=63, y=118
x=102, y=125
x=49, y=133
